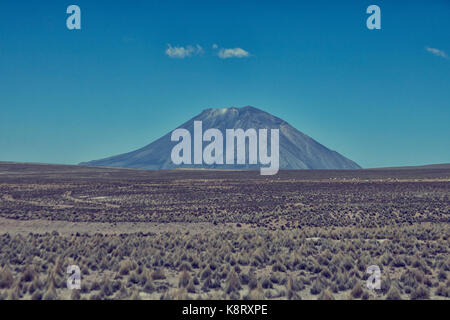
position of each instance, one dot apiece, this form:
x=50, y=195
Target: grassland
x=223, y=234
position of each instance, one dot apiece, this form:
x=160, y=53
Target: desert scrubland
x=201, y=234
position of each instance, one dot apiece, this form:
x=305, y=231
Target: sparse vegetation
x=302, y=235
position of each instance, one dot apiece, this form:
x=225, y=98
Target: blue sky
x=378, y=97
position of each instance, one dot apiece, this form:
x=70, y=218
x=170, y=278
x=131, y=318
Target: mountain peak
x=232, y=109
x=233, y=115
x=297, y=150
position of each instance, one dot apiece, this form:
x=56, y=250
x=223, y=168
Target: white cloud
x=437, y=52
x=233, y=53
x=183, y=52
x=180, y=52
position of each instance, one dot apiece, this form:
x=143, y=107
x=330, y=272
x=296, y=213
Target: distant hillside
x=429, y=166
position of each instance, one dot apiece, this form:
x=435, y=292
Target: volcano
x=296, y=149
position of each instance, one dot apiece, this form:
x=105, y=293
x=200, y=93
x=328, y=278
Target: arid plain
x=201, y=234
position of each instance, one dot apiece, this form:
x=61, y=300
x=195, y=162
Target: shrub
x=75, y=295
x=125, y=266
x=244, y=278
x=28, y=275
x=278, y=267
x=191, y=287
x=106, y=288
x=442, y=291
x=135, y=295
x=317, y=287
x=357, y=291
x=408, y=278
x=266, y=284
x=365, y=296
x=210, y=283
x=134, y=278
x=185, y=266
x=37, y=295
x=398, y=262
x=50, y=294
x=35, y=285
x=205, y=273
x=394, y=293
x=84, y=288
x=6, y=278
x=184, y=279
x=342, y=281
x=442, y=275
x=253, y=282
x=158, y=274
x=243, y=259
x=233, y=283
x=326, y=295
x=420, y=293
x=95, y=296
x=14, y=294
x=278, y=278
x=196, y=281
x=326, y=273
x=148, y=287
x=386, y=285
x=295, y=284
x=257, y=294
x=347, y=264
x=95, y=286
